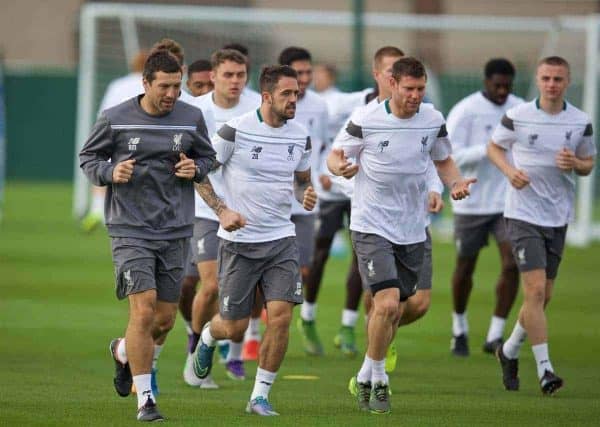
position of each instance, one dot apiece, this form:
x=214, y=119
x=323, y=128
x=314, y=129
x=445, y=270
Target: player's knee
x=388, y=308
x=209, y=291
x=165, y=324
x=234, y=329
x=279, y=320
x=535, y=294
x=422, y=307
x=189, y=283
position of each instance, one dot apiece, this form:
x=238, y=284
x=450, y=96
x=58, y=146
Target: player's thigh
x=409, y=261
x=134, y=264
x=330, y=218
x=305, y=237
x=280, y=280
x=208, y=271
x=376, y=261
x=528, y=245
x=555, y=245
x=470, y=234
x=205, y=243
x=425, y=280
x=170, y=268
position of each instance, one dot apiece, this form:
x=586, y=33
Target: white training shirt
x=535, y=137
x=120, y=90
x=470, y=125
x=392, y=155
x=311, y=113
x=259, y=162
x=220, y=116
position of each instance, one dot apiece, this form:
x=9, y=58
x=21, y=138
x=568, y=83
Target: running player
x=551, y=142
x=150, y=206
x=392, y=145
x=470, y=125
x=266, y=158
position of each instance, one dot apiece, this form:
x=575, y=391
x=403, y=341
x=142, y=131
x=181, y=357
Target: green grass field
x=58, y=313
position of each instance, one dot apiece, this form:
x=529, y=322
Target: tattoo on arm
x=301, y=183
x=206, y=191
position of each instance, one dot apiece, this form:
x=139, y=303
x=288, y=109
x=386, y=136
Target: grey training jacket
x=154, y=204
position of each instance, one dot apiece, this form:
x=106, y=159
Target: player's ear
x=212, y=76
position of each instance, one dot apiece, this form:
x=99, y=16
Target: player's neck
x=271, y=119
x=399, y=111
x=551, y=106
x=149, y=108
x=224, y=102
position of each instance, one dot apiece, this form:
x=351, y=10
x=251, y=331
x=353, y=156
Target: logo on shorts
x=201, y=246
x=298, y=289
x=128, y=280
x=382, y=145
x=521, y=256
x=371, y=268
x=290, y=152
x=177, y=142
x=226, y=303
x=256, y=150
x=133, y=143
x=458, y=243
x=424, y=143
x=532, y=138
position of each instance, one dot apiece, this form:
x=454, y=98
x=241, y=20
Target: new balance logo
x=424, y=144
x=290, y=152
x=381, y=146
x=133, y=143
x=177, y=142
x=256, y=150
x=488, y=128
x=532, y=138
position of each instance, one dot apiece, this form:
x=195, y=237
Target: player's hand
x=460, y=189
x=341, y=166
x=435, y=202
x=518, y=178
x=185, y=167
x=123, y=171
x=231, y=220
x=325, y=182
x=310, y=198
x=565, y=160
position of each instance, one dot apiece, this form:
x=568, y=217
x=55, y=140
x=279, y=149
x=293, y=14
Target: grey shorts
x=383, y=264
x=471, y=232
x=332, y=216
x=205, y=243
x=426, y=275
x=273, y=266
x=141, y=265
x=191, y=269
x=535, y=247
x=305, y=236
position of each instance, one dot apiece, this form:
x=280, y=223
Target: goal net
x=454, y=48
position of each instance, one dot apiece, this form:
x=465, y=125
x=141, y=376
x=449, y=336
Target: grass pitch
x=58, y=313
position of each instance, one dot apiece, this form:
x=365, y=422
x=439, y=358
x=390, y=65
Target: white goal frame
x=581, y=233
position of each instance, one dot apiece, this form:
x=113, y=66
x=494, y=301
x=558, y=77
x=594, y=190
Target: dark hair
x=408, y=66
x=171, y=46
x=499, y=66
x=237, y=46
x=270, y=75
x=198, y=66
x=222, y=55
x=160, y=60
x=554, y=60
x=382, y=52
x=293, y=53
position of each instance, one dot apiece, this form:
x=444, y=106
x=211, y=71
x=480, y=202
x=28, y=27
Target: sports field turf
x=58, y=313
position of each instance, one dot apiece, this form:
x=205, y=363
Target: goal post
x=111, y=34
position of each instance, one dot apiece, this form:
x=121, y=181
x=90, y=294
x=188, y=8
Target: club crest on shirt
x=133, y=143
x=177, y=142
x=290, y=152
x=568, y=135
x=532, y=138
x=424, y=143
x=256, y=150
x=381, y=146
x=488, y=128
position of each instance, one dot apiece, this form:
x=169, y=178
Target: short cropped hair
x=499, y=66
x=220, y=56
x=237, y=46
x=270, y=76
x=408, y=66
x=160, y=60
x=292, y=54
x=171, y=46
x=554, y=60
x=199, y=66
x=386, y=51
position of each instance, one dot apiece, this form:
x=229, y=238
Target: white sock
x=97, y=206
x=253, y=330
x=262, y=384
x=365, y=372
x=460, y=325
x=513, y=344
x=496, y=328
x=188, y=327
x=542, y=359
x=378, y=372
x=122, y=351
x=156, y=355
x=207, y=338
x=308, y=311
x=235, y=351
x=144, y=390
x=349, y=318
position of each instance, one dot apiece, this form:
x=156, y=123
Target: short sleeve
x=304, y=163
x=350, y=139
x=441, y=148
x=504, y=135
x=224, y=143
x=586, y=146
